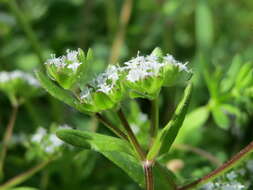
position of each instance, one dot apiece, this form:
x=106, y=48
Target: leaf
x=245, y=70
x=229, y=80
x=58, y=92
x=118, y=151
x=220, y=117
x=193, y=121
x=94, y=141
x=169, y=133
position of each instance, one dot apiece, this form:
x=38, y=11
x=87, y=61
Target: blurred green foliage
x=215, y=36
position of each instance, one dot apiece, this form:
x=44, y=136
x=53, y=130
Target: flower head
x=104, y=91
x=145, y=75
x=68, y=69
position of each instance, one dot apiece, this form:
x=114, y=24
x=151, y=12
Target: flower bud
x=68, y=69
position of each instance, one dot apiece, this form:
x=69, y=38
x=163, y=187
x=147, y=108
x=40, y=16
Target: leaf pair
x=119, y=152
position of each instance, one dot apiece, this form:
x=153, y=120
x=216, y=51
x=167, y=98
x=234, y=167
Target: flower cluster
x=48, y=142
x=67, y=69
x=145, y=75
x=142, y=76
x=18, y=85
x=104, y=91
x=69, y=61
x=7, y=77
x=237, y=179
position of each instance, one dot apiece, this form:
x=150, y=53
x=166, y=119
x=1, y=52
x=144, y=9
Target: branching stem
x=110, y=126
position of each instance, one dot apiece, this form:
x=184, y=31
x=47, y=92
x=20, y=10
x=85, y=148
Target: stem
x=24, y=176
x=131, y=135
x=7, y=137
x=120, y=35
x=110, y=126
x=239, y=157
x=26, y=27
x=148, y=170
x=154, y=117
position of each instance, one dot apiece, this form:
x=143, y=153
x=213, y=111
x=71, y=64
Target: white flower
x=233, y=186
x=169, y=59
x=231, y=175
x=104, y=82
x=86, y=94
x=8, y=76
x=65, y=126
x=141, y=67
x=249, y=165
x=209, y=186
x=74, y=66
x=38, y=136
x=70, y=60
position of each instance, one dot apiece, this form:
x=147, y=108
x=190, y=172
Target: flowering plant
x=140, y=77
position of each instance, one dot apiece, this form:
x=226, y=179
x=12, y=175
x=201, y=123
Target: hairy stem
x=26, y=28
x=239, y=157
x=110, y=126
x=7, y=137
x=24, y=176
x=148, y=170
x=120, y=35
x=131, y=135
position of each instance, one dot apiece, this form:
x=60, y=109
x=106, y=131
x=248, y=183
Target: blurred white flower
x=38, y=136
x=8, y=76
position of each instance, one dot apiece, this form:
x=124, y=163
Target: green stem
x=148, y=170
x=26, y=27
x=154, y=117
x=7, y=137
x=238, y=158
x=110, y=126
x=24, y=176
x=131, y=135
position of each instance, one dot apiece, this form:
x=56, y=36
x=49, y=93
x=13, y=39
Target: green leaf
x=193, y=121
x=94, y=141
x=220, y=117
x=119, y=152
x=58, y=92
x=228, y=82
x=246, y=70
x=169, y=133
